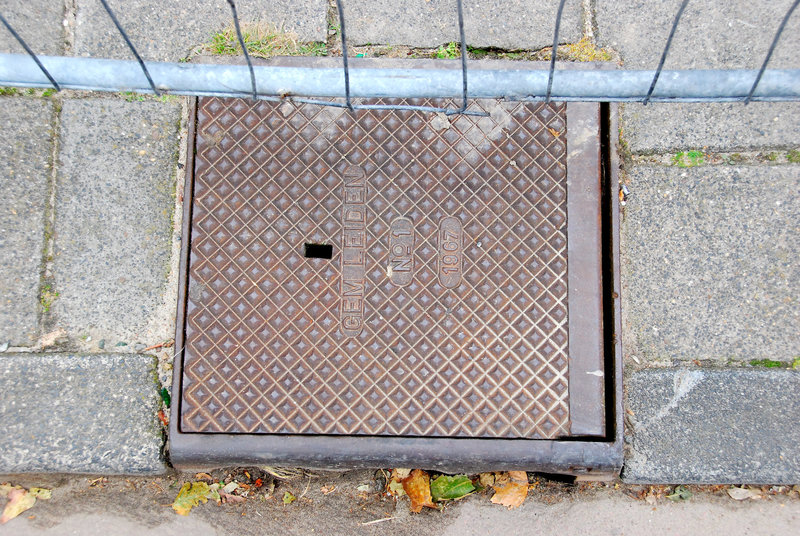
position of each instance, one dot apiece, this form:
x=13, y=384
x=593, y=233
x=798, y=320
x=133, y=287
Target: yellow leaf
x=395, y=488
x=400, y=473
x=19, y=500
x=511, y=489
x=190, y=495
x=418, y=488
x=6, y=488
x=41, y=493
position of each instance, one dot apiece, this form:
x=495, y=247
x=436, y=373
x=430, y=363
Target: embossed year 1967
x=451, y=238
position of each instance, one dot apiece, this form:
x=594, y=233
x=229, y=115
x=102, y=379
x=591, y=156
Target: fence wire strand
x=463, y=38
x=30, y=52
x=130, y=46
x=340, y=9
x=771, y=50
x=555, y=49
x=244, y=48
x=666, y=51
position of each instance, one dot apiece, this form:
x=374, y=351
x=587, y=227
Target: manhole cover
x=394, y=274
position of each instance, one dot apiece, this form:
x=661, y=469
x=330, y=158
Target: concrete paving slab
x=709, y=264
x=659, y=127
x=79, y=414
x=114, y=208
x=24, y=170
x=711, y=35
x=38, y=22
x=516, y=24
x=168, y=31
x=713, y=426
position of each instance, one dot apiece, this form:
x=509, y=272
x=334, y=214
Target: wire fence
x=312, y=85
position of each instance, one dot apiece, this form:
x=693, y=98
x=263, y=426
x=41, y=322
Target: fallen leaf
x=680, y=493
x=486, y=479
x=650, y=499
x=163, y=418
x=741, y=494
x=395, y=485
x=501, y=479
x=400, y=473
x=327, y=489
x=190, y=495
x=19, y=500
x=214, y=493
x=364, y=487
x=203, y=476
x=418, y=488
x=41, y=493
x=230, y=487
x=5, y=489
x=395, y=488
x=510, y=489
x=231, y=498
x=446, y=488
x=288, y=498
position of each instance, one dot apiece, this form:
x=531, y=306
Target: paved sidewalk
x=125, y=506
x=93, y=414
x=169, y=31
x=26, y=161
x=513, y=25
x=113, y=226
x=89, y=227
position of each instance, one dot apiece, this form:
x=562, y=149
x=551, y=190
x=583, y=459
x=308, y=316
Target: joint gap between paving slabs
x=589, y=20
x=69, y=23
x=634, y=363
x=48, y=292
x=703, y=156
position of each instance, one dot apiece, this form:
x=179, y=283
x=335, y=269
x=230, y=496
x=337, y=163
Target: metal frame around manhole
x=577, y=455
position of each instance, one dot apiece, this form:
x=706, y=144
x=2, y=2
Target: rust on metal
x=443, y=310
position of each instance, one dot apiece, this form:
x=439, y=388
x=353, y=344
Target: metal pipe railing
x=275, y=83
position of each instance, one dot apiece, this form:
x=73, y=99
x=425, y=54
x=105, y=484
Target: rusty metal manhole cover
x=392, y=273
